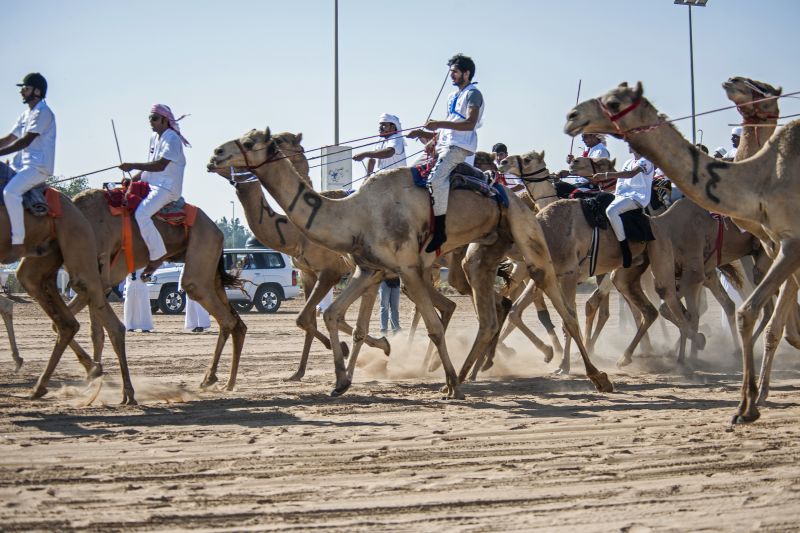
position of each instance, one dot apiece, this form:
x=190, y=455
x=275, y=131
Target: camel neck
x=714, y=185
x=755, y=135
x=321, y=219
x=268, y=226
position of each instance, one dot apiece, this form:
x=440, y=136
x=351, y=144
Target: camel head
x=742, y=91
x=588, y=167
x=256, y=147
x=484, y=161
x=612, y=113
x=527, y=164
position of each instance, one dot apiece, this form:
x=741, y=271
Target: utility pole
x=689, y=4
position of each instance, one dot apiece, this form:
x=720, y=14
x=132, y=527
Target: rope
x=365, y=177
x=83, y=175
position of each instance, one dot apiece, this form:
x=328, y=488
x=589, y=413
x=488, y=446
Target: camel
x=740, y=190
x=50, y=243
x=759, y=121
x=385, y=224
x=7, y=312
x=569, y=236
x=204, y=278
x=694, y=235
x=320, y=268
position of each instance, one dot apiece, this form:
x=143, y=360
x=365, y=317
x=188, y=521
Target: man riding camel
x=34, y=141
x=164, y=172
x=456, y=142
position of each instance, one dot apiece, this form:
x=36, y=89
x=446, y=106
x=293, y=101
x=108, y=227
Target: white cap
x=737, y=131
x=391, y=119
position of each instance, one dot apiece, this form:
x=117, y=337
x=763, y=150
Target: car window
x=273, y=261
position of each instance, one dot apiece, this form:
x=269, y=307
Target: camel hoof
x=38, y=392
x=297, y=376
x=208, y=381
x=18, y=361
x=561, y=371
x=700, y=341
x=457, y=395
x=340, y=389
x=230, y=385
x=507, y=350
x=434, y=366
x=345, y=349
x=745, y=418
x=95, y=372
x=624, y=361
x=128, y=400
x=387, y=348
x=762, y=399
x=489, y=363
x=602, y=383
x=548, y=354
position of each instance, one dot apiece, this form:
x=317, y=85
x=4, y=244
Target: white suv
x=267, y=277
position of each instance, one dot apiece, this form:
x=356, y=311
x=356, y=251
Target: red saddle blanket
x=126, y=199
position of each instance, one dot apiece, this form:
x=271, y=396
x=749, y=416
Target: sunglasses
x=154, y=118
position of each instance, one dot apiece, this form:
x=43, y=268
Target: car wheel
x=242, y=306
x=268, y=299
x=171, y=301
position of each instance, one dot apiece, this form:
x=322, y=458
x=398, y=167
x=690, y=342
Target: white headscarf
x=737, y=131
x=391, y=119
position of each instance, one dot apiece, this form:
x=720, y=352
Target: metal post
x=691, y=68
x=336, y=73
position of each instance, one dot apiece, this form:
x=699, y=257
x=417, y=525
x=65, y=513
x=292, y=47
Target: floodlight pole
x=336, y=73
x=689, y=4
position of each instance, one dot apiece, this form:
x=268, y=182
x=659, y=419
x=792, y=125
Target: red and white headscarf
x=166, y=112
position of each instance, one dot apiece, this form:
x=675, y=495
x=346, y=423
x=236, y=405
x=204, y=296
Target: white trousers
x=620, y=204
x=439, y=179
x=137, y=304
x=196, y=315
x=152, y=204
x=26, y=179
x=326, y=301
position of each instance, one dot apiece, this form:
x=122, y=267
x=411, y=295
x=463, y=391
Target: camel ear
x=778, y=91
x=299, y=138
x=639, y=89
x=541, y=155
x=623, y=84
x=267, y=135
x=613, y=163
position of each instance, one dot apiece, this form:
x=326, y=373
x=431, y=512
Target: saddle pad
x=636, y=223
x=470, y=182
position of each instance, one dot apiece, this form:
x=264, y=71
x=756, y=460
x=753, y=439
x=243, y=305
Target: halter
x=528, y=176
x=614, y=118
x=250, y=168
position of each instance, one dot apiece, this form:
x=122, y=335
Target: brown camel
x=569, y=238
x=204, y=278
x=320, y=268
x=757, y=102
x=385, y=224
x=740, y=190
x=49, y=244
x=7, y=312
x=698, y=248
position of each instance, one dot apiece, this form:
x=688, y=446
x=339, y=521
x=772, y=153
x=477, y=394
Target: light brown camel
x=385, y=224
x=698, y=248
x=49, y=244
x=569, y=239
x=204, y=278
x=764, y=189
x=7, y=312
x=760, y=111
x=320, y=267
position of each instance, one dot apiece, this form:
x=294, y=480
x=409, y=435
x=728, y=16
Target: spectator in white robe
x=137, y=304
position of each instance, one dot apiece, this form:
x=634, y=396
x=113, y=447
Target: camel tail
x=504, y=271
x=229, y=281
x=734, y=275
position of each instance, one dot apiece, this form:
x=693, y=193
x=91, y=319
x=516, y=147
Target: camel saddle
x=636, y=222
x=40, y=201
x=466, y=177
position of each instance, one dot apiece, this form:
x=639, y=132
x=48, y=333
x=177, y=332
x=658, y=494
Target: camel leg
x=544, y=318
x=446, y=308
x=93, y=365
x=597, y=306
x=414, y=323
x=692, y=290
x=772, y=337
x=626, y=280
x=785, y=264
x=7, y=311
x=362, y=324
x=662, y=264
x=515, y=321
x=529, y=237
x=713, y=284
x=502, y=307
x=569, y=287
x=362, y=279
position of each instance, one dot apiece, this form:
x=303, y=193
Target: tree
x=69, y=188
x=235, y=233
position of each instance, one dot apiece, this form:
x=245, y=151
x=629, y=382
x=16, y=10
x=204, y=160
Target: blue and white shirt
x=458, y=104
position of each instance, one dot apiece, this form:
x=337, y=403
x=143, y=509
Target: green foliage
x=69, y=188
x=236, y=234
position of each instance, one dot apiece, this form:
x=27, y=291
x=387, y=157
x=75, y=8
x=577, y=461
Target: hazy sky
x=251, y=64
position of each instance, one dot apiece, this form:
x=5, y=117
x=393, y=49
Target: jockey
x=164, y=172
x=634, y=187
x=34, y=141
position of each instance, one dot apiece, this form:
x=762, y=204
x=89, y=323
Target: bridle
x=530, y=177
x=615, y=118
x=250, y=173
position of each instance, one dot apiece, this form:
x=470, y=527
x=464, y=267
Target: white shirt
x=598, y=150
x=732, y=153
x=458, y=104
x=398, y=160
x=41, y=153
x=640, y=186
x=170, y=147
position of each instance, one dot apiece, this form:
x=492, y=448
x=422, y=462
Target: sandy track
x=526, y=450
